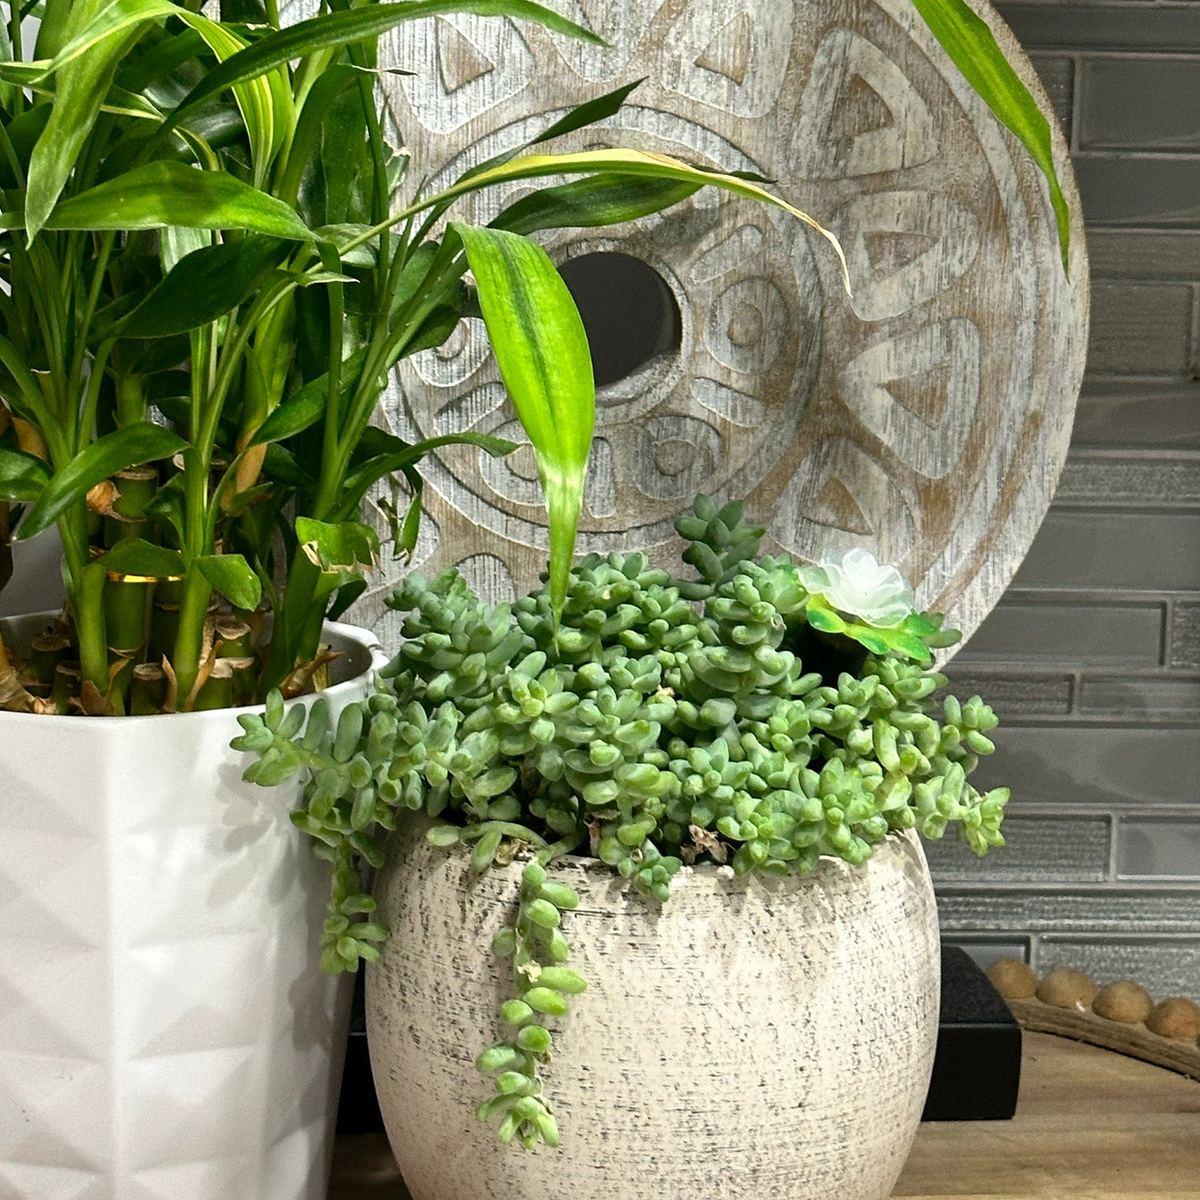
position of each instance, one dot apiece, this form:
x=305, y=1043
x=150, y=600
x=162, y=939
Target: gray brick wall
x=1092, y=658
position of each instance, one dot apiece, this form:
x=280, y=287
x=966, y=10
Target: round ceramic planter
x=164, y=1029
x=750, y=1038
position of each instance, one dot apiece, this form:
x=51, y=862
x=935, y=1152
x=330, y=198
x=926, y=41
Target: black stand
x=978, y=1065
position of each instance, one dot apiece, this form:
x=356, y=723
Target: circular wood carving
x=926, y=418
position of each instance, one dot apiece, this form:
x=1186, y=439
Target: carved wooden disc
x=926, y=418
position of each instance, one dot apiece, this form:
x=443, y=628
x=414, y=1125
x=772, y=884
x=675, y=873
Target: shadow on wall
x=36, y=584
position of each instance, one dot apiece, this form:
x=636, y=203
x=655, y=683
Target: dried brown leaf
x=91, y=703
x=171, y=700
x=704, y=841
x=102, y=496
x=13, y=696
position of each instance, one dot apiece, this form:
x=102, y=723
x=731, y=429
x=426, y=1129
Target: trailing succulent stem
x=542, y=983
x=660, y=722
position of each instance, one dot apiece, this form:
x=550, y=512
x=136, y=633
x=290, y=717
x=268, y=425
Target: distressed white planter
x=752, y=1038
x=164, y=1029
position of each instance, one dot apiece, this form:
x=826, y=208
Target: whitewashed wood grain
x=927, y=417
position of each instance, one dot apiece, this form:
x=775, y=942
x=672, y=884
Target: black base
x=358, y=1110
x=978, y=1066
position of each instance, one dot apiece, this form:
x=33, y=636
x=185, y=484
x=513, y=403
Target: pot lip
x=355, y=635
x=894, y=840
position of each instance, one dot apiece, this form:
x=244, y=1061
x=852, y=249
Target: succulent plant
x=739, y=717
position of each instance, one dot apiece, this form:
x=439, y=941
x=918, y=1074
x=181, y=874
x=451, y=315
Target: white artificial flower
x=855, y=582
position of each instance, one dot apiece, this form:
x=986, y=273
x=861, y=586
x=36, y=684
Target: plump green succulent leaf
x=542, y=350
x=139, y=443
x=972, y=47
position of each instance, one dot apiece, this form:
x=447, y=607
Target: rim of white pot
x=351, y=637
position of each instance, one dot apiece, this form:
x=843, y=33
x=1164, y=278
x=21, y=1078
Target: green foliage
x=650, y=729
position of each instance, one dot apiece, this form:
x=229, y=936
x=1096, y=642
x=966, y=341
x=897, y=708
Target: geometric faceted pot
x=754, y=1038
x=165, y=1031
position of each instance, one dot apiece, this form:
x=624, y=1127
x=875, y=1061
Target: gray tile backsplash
x=1104, y=25
x=1102, y=909
x=1140, y=328
x=1024, y=633
x=1138, y=414
x=1142, y=479
x=1141, y=697
x=1014, y=696
x=1092, y=659
x=1119, y=551
x=1184, y=652
x=1166, y=966
x=1135, y=766
x=1123, y=103
x=1067, y=849
x=1158, y=848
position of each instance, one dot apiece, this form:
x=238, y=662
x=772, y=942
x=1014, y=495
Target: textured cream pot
x=752, y=1038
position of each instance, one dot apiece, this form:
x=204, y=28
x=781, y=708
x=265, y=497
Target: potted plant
x=750, y=747
x=205, y=286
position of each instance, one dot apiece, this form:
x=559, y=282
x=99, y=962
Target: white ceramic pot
x=752, y=1038
x=164, y=1029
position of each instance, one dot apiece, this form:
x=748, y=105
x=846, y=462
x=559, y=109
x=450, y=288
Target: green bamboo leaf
x=112, y=18
x=542, y=350
x=159, y=194
x=968, y=41
x=80, y=89
x=265, y=101
x=22, y=477
x=630, y=163
x=333, y=30
x=233, y=577
x=139, y=443
x=594, y=201
x=393, y=455
x=307, y=406
x=337, y=547
x=203, y=286
x=135, y=556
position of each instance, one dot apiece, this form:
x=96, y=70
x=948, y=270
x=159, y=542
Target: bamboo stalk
x=148, y=690
x=217, y=689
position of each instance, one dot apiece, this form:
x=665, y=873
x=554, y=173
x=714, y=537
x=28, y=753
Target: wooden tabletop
x=1090, y=1125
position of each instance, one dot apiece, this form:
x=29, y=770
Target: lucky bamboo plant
x=211, y=260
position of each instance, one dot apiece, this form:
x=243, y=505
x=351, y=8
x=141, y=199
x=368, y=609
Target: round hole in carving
x=630, y=313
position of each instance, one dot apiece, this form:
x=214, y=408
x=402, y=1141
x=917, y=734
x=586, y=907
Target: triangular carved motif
x=925, y=395
x=729, y=52
x=860, y=114
x=835, y=506
x=860, y=109
x=460, y=61
x=889, y=250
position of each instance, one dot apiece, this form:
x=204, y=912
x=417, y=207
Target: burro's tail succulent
x=755, y=714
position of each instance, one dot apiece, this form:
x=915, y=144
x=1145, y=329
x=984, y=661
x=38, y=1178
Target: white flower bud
x=855, y=582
